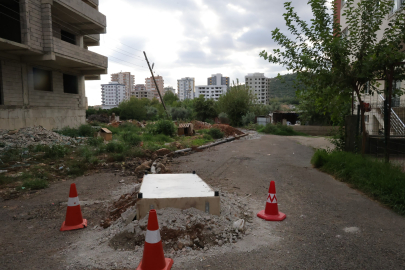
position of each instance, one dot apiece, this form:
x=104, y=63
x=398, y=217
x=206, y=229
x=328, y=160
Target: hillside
x=278, y=89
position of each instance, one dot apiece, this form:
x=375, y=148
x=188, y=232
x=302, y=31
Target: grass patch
x=381, y=181
x=279, y=129
x=34, y=184
x=97, y=141
x=82, y=131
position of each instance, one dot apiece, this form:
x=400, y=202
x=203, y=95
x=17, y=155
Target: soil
x=228, y=130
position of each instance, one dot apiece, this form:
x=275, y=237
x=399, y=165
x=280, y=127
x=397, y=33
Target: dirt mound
x=201, y=125
x=228, y=130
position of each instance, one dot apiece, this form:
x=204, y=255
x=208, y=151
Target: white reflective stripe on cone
x=152, y=237
x=271, y=198
x=73, y=201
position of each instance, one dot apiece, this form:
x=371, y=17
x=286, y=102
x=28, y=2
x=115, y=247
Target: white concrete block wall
x=35, y=25
x=12, y=83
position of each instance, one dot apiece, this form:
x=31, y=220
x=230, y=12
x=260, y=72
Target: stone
x=180, y=245
x=142, y=168
x=239, y=225
x=129, y=215
x=162, y=152
x=220, y=243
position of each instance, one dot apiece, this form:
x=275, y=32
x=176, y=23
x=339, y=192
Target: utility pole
x=157, y=88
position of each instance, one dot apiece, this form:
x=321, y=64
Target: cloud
x=190, y=38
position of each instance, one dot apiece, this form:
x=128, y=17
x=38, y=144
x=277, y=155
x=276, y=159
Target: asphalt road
x=329, y=225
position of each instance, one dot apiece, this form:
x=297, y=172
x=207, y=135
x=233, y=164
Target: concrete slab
x=181, y=191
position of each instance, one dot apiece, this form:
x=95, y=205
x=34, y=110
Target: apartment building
x=126, y=79
x=44, y=61
x=186, y=88
x=218, y=79
x=139, y=91
x=259, y=86
x=150, y=86
x=170, y=89
x=112, y=94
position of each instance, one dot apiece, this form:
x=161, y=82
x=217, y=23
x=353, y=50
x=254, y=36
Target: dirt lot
x=328, y=225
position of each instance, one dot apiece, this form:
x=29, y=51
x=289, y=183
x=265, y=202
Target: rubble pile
x=184, y=230
x=228, y=130
x=201, y=125
x=25, y=137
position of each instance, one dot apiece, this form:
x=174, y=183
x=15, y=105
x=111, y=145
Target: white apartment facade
x=112, y=94
x=211, y=91
x=186, y=88
x=126, y=79
x=259, y=86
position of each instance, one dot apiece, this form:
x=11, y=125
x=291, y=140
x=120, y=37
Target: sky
x=190, y=38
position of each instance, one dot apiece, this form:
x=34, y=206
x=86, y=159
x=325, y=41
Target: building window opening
x=42, y=79
x=68, y=37
x=10, y=20
x=70, y=84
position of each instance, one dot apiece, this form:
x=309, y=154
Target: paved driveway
x=328, y=225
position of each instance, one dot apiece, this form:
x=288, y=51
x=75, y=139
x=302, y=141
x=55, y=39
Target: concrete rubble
x=37, y=135
x=183, y=230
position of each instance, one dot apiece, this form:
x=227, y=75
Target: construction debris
x=228, y=130
x=33, y=136
x=201, y=125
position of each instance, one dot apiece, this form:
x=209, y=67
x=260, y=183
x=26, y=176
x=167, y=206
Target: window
x=42, y=80
x=68, y=37
x=10, y=20
x=70, y=84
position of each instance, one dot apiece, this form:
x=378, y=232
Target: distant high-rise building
x=259, y=86
x=139, y=91
x=150, y=86
x=112, y=94
x=169, y=89
x=217, y=79
x=124, y=78
x=217, y=86
x=186, y=88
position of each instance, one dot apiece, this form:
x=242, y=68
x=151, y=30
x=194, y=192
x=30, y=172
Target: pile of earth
x=183, y=230
x=197, y=125
x=228, y=130
x=26, y=137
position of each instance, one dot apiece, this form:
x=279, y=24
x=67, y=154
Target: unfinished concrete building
x=44, y=61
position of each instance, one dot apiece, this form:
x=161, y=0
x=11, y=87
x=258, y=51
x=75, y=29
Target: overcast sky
x=189, y=38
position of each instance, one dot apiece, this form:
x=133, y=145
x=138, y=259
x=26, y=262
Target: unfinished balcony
x=80, y=15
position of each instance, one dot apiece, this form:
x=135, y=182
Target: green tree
x=133, y=108
x=236, y=103
x=169, y=98
x=204, y=108
x=331, y=65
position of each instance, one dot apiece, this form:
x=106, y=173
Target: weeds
x=55, y=151
x=34, y=184
x=280, y=130
x=97, y=141
x=382, y=181
x=82, y=131
x=131, y=138
x=115, y=147
x=216, y=133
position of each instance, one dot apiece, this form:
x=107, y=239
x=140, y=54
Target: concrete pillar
x=25, y=84
x=46, y=17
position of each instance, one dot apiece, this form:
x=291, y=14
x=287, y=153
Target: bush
x=114, y=147
x=34, y=184
x=67, y=131
x=381, y=181
x=207, y=137
x=279, y=129
x=216, y=133
x=180, y=113
x=55, y=151
x=86, y=131
x=165, y=127
x=248, y=118
x=131, y=138
x=151, y=112
x=77, y=168
x=97, y=141
x=223, y=117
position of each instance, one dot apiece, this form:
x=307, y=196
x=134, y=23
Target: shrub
x=67, y=131
x=223, y=117
x=86, y=131
x=319, y=158
x=151, y=112
x=97, y=141
x=279, y=129
x=77, y=168
x=207, y=137
x=216, y=133
x=114, y=147
x=131, y=138
x=165, y=127
x=248, y=118
x=55, y=151
x=180, y=113
x=34, y=184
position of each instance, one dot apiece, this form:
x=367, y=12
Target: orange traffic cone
x=74, y=219
x=271, y=212
x=153, y=257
